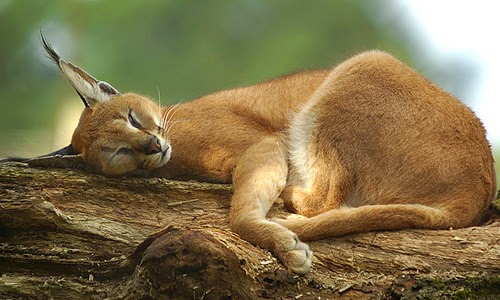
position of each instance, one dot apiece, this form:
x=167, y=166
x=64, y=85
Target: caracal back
x=379, y=147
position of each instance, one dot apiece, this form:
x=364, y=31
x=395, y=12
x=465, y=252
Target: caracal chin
x=368, y=145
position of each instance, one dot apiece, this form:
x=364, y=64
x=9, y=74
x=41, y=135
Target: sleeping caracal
x=369, y=145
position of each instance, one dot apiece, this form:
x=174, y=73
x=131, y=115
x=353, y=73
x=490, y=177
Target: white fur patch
x=299, y=147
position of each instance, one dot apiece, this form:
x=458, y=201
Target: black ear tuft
x=14, y=159
x=64, y=158
x=49, y=49
x=52, y=54
x=68, y=150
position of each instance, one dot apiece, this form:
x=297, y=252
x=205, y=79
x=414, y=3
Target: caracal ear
x=88, y=88
x=64, y=158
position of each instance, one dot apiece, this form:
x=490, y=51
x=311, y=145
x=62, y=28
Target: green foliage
x=183, y=48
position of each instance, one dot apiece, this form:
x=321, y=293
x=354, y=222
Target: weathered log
x=66, y=234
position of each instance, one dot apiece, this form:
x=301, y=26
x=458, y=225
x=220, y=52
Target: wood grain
x=69, y=234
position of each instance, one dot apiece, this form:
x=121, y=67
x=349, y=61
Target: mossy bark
x=66, y=234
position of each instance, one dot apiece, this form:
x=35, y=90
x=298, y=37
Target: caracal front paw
x=295, y=254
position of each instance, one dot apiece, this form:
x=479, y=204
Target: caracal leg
x=258, y=179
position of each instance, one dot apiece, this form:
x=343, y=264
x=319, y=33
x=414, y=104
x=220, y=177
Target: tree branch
x=68, y=234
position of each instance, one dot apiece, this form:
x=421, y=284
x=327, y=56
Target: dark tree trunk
x=65, y=234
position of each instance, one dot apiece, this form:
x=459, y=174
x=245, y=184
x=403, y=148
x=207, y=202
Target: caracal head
x=118, y=133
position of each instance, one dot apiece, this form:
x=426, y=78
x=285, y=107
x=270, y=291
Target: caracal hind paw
x=297, y=256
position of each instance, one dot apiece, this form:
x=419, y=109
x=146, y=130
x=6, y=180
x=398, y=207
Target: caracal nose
x=154, y=146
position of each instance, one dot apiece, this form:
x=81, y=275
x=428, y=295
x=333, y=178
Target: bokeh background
x=180, y=50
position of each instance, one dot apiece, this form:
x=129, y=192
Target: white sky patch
x=470, y=28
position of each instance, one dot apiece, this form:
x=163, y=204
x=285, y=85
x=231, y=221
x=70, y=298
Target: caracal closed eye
x=123, y=136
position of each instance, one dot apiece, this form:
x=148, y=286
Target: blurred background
x=185, y=49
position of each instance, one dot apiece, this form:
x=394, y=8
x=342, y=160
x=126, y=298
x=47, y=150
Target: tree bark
x=67, y=234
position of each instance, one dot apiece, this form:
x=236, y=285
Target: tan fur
x=370, y=145
x=108, y=141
